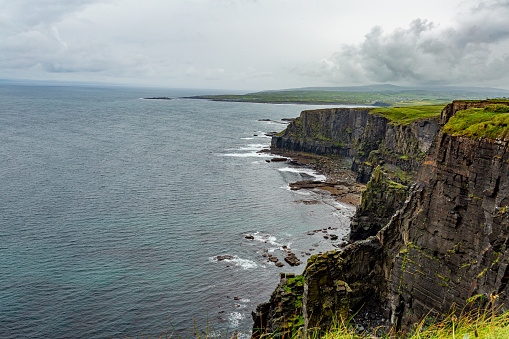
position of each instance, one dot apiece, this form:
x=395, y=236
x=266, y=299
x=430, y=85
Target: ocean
x=115, y=212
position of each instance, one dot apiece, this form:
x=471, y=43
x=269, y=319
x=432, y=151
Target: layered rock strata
x=311, y=301
x=379, y=201
x=449, y=242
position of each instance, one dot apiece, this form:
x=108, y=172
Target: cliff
x=368, y=138
x=379, y=201
x=447, y=246
x=449, y=242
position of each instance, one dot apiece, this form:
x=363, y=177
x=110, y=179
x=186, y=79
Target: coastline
x=342, y=103
x=340, y=180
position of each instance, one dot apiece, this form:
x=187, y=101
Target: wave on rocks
x=235, y=261
x=303, y=171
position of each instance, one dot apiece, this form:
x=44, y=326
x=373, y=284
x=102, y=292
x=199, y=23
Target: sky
x=256, y=44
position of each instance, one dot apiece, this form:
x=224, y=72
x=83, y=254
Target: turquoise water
x=114, y=209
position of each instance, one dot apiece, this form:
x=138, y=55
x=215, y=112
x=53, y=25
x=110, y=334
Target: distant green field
x=329, y=97
x=376, y=95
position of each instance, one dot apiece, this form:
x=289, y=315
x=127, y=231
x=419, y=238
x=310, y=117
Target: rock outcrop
x=311, y=301
x=446, y=247
x=379, y=201
x=282, y=315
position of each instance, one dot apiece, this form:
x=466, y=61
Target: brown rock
x=278, y=159
x=292, y=259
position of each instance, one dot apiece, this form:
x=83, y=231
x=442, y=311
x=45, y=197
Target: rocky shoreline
x=339, y=186
x=340, y=180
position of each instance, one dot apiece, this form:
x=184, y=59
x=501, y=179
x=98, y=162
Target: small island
x=157, y=98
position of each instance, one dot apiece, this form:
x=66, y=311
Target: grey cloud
x=30, y=13
x=424, y=52
x=29, y=37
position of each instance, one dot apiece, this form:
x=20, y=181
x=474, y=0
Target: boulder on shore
x=292, y=259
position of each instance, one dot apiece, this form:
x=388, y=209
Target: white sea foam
x=234, y=319
x=305, y=171
x=266, y=238
x=236, y=261
x=248, y=147
x=247, y=155
x=248, y=151
x=300, y=192
x=251, y=147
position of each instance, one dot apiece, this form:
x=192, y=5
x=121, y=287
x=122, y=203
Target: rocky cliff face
x=449, y=242
x=321, y=294
x=379, y=201
x=448, y=245
x=368, y=138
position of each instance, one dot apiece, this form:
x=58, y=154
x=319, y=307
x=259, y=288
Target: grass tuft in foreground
x=482, y=324
x=479, y=324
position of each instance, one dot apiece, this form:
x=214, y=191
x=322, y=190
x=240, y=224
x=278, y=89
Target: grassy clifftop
x=490, y=122
x=406, y=115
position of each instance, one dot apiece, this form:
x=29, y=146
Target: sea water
x=115, y=212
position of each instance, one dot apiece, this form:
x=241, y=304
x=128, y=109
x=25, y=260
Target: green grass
x=490, y=122
x=482, y=325
x=401, y=98
x=406, y=115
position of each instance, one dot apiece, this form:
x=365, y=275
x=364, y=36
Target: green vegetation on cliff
x=484, y=324
x=406, y=115
x=490, y=122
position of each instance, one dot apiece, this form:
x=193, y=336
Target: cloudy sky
x=256, y=44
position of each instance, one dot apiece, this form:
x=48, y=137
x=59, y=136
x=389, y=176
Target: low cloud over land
x=473, y=49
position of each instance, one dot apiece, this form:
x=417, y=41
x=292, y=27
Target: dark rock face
x=282, y=315
x=310, y=301
x=379, y=201
x=326, y=131
x=368, y=138
x=450, y=241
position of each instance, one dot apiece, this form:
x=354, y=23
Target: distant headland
x=372, y=95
